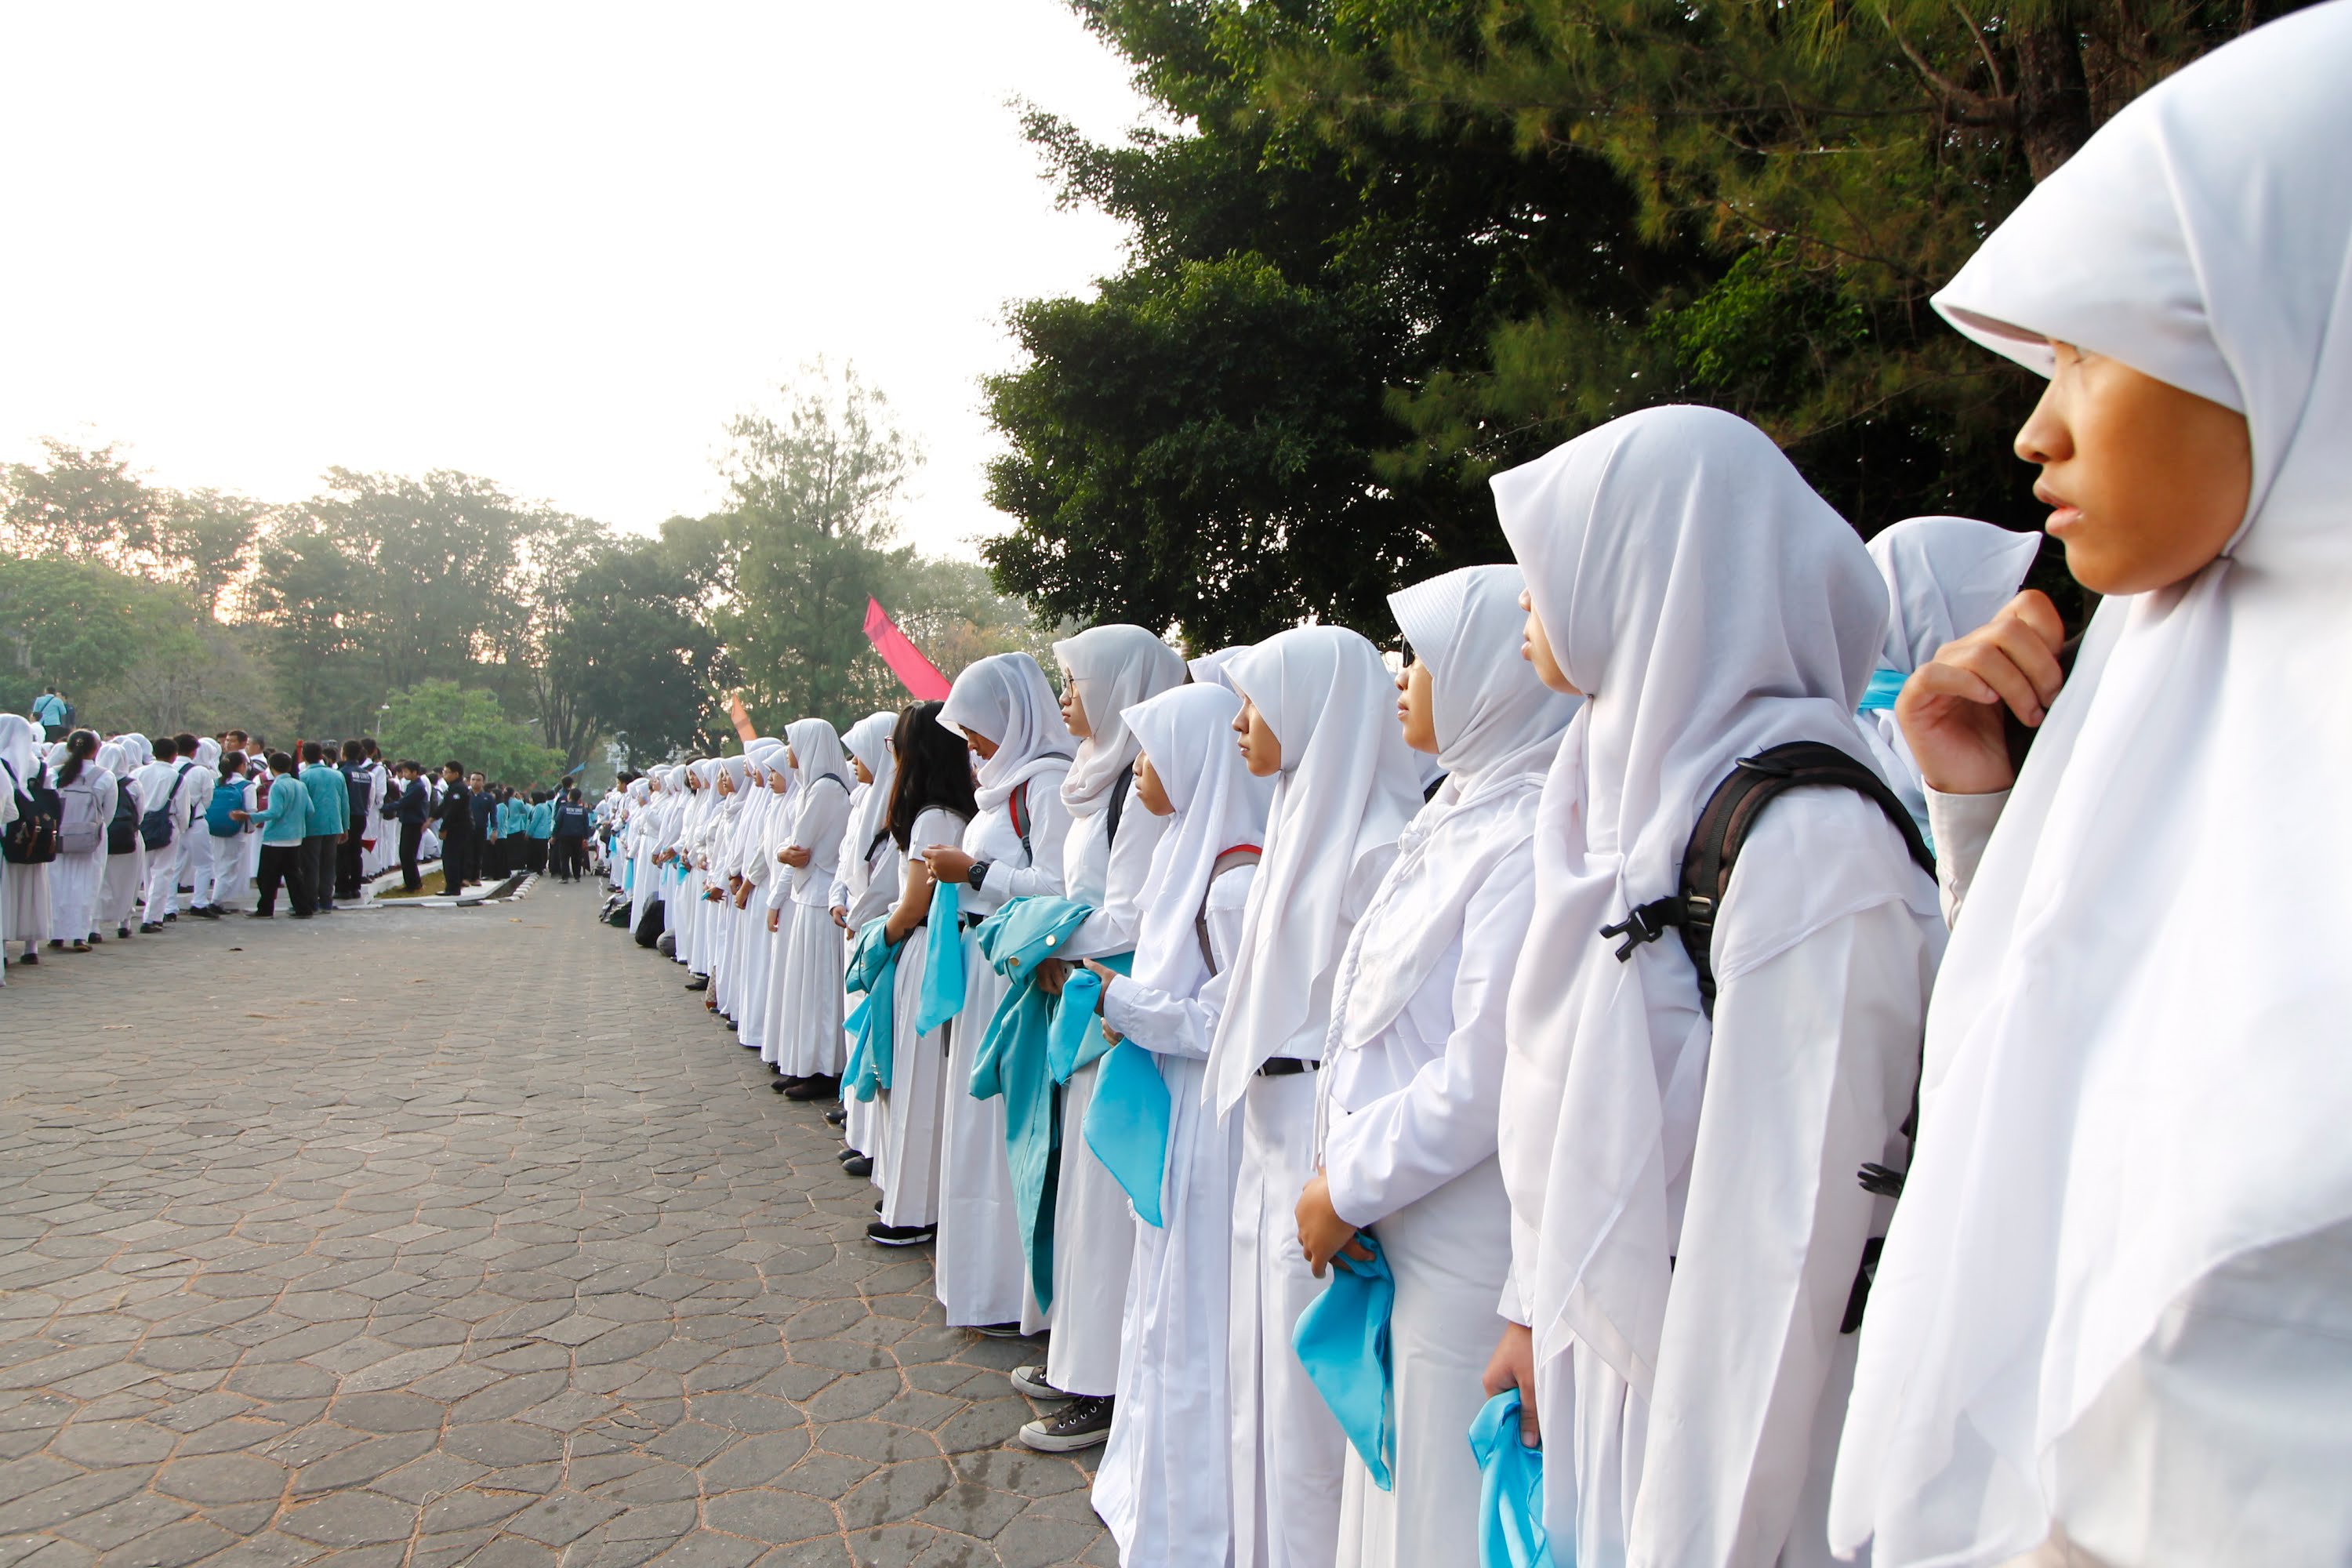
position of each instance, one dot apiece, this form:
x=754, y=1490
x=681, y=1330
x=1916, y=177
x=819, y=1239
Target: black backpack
x=123, y=829
x=32, y=839
x=1708, y=861
x=355, y=788
x=157, y=829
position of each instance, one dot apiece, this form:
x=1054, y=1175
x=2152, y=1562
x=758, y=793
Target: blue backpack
x=226, y=797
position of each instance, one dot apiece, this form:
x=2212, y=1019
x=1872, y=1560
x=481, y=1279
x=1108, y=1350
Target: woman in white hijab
x=1412, y=1068
x=25, y=894
x=118, y=889
x=1105, y=671
x=86, y=796
x=1004, y=709
x=197, y=867
x=2110, y=1324
x=864, y=882
x=1687, y=1224
x=768, y=770
x=809, y=1043
x=1945, y=576
x=1319, y=718
x=1163, y=1485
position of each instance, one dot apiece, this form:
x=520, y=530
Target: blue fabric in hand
x=872, y=1023
x=1127, y=1119
x=942, y=997
x=1343, y=1340
x=1510, y=1490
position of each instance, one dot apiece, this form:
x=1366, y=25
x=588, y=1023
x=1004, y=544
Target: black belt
x=1284, y=1066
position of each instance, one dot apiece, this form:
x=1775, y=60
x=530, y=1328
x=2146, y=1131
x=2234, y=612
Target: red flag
x=918, y=675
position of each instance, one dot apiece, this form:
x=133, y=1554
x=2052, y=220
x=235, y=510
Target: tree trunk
x=2054, y=98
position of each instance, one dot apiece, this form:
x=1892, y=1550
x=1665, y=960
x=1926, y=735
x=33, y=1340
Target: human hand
x=949, y=865
x=1049, y=976
x=743, y=896
x=1322, y=1234
x=1950, y=709
x=1513, y=1366
x=840, y=917
x=772, y=917
x=794, y=855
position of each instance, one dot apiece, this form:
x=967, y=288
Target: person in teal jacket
x=514, y=830
x=330, y=819
x=541, y=828
x=285, y=819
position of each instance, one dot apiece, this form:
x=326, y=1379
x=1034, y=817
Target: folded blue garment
x=872, y=1023
x=1343, y=1340
x=1012, y=1063
x=1127, y=1121
x=942, y=997
x=1510, y=1490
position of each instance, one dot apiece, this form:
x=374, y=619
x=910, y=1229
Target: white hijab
x=1499, y=728
x=1115, y=668
x=1711, y=606
x=20, y=747
x=208, y=755
x=1004, y=697
x=1347, y=788
x=816, y=748
x=1188, y=733
x=2135, y=1066
x=869, y=741
x=1945, y=576
x=137, y=749
x=1209, y=670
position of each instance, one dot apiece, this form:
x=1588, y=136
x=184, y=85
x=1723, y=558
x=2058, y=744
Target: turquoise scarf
x=1127, y=1121
x=1511, y=1532
x=1343, y=1340
x=1886, y=686
x=942, y=997
x=873, y=1043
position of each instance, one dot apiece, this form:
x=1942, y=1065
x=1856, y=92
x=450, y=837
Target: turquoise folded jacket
x=1127, y=1119
x=871, y=1025
x=1511, y=1532
x=1343, y=1340
x=1015, y=1065
x=942, y=997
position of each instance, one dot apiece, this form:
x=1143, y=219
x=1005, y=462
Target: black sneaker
x=999, y=1330
x=838, y=1115
x=817, y=1087
x=882, y=1234
x=700, y=983
x=1031, y=1380
x=860, y=1167
x=1083, y=1422
x=149, y=928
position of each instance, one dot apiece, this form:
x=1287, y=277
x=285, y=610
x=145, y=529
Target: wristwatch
x=977, y=875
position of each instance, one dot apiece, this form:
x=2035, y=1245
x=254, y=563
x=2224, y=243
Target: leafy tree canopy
x=436, y=722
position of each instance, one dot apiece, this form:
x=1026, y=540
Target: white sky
x=557, y=245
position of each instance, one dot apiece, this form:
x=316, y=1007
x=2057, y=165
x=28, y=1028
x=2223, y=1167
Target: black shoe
x=999, y=1330
x=730, y=1026
x=56, y=944
x=123, y=932
x=845, y=1154
x=170, y=918
x=882, y=1234
x=700, y=983
x=1031, y=1380
x=34, y=958
x=817, y=1087
x=860, y=1167
x=94, y=939
x=249, y=914
x=149, y=928
x=1083, y=1422
x=838, y=1115
x=304, y=914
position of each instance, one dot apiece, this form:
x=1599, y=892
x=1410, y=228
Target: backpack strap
x=1018, y=806
x=1118, y=803
x=1231, y=859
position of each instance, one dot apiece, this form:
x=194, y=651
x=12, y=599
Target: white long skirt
x=763, y=957
x=230, y=883
x=1449, y=1252
x=979, y=1268
x=1094, y=1240
x=862, y=1130
x=73, y=893
x=119, y=893
x=1287, y=1450
x=24, y=904
x=911, y=1112
x=1164, y=1487
x=808, y=993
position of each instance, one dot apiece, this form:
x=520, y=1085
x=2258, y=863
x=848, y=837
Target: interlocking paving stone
x=430, y=1238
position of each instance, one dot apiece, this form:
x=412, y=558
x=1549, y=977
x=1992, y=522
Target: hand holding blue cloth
x=1343, y=1340
x=1510, y=1490
x=1127, y=1119
x=942, y=997
x=872, y=1025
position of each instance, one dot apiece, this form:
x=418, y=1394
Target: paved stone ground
x=462, y=1237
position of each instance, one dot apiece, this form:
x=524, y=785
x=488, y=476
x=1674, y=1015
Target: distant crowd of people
x=128, y=834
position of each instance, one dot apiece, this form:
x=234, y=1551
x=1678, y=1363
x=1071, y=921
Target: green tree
x=84, y=627
x=628, y=653
x=84, y=503
x=438, y=720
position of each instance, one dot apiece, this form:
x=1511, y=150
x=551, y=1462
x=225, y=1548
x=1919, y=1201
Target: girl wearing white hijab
x=769, y=780
x=1003, y=707
x=86, y=795
x=2111, y=1323
x=809, y=1045
x=1412, y=1067
x=865, y=880
x=125, y=869
x=1105, y=671
x=23, y=890
x=1687, y=1225
x=1945, y=576
x=1318, y=717
x=197, y=868
x=230, y=883
x=1164, y=1485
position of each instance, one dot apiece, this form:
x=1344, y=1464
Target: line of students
x=1329, y=1082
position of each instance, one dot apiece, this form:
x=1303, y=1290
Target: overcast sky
x=554, y=245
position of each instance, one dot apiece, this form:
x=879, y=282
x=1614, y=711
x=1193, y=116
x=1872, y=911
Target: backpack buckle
x=1644, y=922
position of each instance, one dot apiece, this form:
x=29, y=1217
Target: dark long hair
x=80, y=746
x=934, y=769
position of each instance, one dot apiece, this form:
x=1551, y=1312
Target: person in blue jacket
x=329, y=818
x=285, y=820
